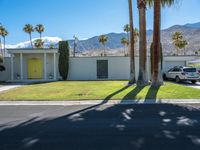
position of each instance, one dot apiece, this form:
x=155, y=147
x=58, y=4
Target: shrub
x=39, y=43
x=1, y=58
x=63, y=59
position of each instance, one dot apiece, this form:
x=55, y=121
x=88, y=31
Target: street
x=100, y=127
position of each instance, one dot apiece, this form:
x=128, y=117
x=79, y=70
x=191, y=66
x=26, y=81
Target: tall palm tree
x=127, y=30
x=157, y=71
x=142, y=78
x=103, y=39
x=157, y=77
x=131, y=47
x=3, y=33
x=28, y=28
x=125, y=42
x=40, y=29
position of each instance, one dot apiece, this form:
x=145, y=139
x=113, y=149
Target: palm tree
x=179, y=42
x=3, y=33
x=28, y=28
x=142, y=78
x=157, y=71
x=103, y=39
x=39, y=43
x=125, y=42
x=131, y=47
x=0, y=39
x=136, y=35
x=127, y=30
x=40, y=29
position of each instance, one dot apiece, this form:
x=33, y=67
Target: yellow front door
x=35, y=66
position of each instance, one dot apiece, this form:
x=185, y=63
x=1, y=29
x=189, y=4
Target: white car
x=182, y=74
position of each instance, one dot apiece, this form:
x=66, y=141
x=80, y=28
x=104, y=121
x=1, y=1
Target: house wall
x=85, y=68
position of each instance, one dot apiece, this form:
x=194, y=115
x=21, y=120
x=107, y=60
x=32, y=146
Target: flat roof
x=32, y=50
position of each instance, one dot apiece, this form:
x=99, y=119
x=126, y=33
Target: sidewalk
x=99, y=102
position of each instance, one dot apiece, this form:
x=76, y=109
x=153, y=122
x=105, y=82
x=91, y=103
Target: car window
x=190, y=70
x=176, y=70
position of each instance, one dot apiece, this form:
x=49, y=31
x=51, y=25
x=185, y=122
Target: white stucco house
x=42, y=65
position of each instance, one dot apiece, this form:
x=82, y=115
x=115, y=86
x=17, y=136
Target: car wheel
x=177, y=79
x=165, y=77
x=193, y=81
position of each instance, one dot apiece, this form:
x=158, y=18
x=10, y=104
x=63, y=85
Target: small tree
x=39, y=43
x=63, y=59
x=51, y=46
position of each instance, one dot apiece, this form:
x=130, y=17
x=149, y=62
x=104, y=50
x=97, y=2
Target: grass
x=94, y=90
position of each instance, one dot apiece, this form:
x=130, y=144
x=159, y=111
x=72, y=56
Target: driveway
x=105, y=127
x=189, y=84
x=9, y=86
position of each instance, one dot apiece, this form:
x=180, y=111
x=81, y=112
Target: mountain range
x=191, y=33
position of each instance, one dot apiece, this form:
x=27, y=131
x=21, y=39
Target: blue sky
x=84, y=18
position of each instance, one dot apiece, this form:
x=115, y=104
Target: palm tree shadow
x=115, y=93
x=152, y=94
x=133, y=94
x=106, y=99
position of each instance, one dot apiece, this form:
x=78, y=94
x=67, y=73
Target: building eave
x=32, y=51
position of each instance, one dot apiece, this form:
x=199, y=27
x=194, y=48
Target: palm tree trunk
x=40, y=36
x=157, y=72
x=131, y=47
x=142, y=78
x=31, y=40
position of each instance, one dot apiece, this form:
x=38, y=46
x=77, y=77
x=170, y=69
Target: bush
x=2, y=68
x=1, y=58
x=63, y=59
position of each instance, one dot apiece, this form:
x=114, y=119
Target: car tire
x=193, y=81
x=177, y=79
x=165, y=77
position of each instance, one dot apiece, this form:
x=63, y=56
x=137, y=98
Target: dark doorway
x=102, y=69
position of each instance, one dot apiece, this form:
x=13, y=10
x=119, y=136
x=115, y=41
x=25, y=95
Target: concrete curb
x=96, y=102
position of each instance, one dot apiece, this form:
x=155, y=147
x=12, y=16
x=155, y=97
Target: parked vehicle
x=182, y=74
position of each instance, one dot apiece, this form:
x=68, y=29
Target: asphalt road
x=119, y=127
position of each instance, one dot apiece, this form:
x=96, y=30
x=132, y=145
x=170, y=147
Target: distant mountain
x=27, y=44
x=191, y=33
x=193, y=25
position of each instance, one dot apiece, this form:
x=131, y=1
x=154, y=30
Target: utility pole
x=75, y=45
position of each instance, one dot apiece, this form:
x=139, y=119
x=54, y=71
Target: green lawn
x=80, y=90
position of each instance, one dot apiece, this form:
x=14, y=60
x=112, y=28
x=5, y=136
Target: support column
x=54, y=66
x=21, y=67
x=45, y=66
x=12, y=68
